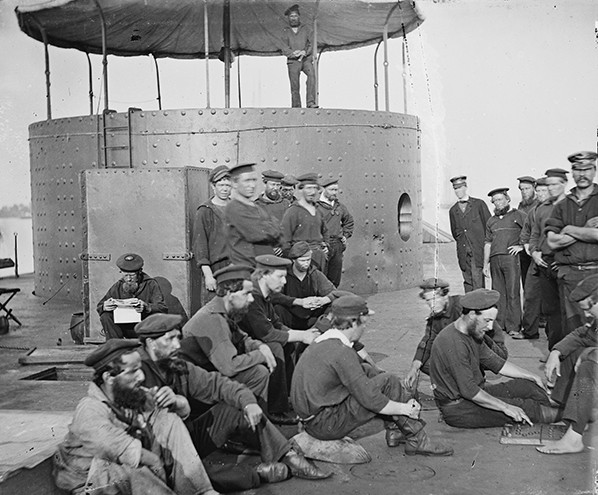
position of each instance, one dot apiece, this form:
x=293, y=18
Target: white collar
x=333, y=333
x=324, y=200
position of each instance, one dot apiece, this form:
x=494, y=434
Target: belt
x=584, y=267
x=448, y=402
x=307, y=420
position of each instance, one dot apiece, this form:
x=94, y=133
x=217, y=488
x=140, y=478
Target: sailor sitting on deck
x=135, y=289
x=333, y=393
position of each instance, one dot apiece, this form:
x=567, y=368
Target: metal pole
x=376, y=76
x=158, y=82
x=90, y=84
x=314, y=54
x=386, y=88
x=47, y=69
x=227, y=52
x=16, y=255
x=206, y=50
x=104, y=55
x=404, y=61
x=239, y=76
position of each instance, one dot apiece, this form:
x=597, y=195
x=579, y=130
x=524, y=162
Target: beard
x=130, y=288
x=173, y=367
x=237, y=314
x=477, y=335
x=273, y=194
x=286, y=194
x=499, y=212
x=129, y=398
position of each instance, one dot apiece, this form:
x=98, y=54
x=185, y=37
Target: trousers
x=504, y=269
x=295, y=67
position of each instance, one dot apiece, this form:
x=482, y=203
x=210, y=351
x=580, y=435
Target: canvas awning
x=175, y=28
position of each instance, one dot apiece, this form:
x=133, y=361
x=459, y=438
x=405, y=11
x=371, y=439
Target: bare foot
x=571, y=443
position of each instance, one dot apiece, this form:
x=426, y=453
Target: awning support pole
x=404, y=74
x=206, y=50
x=227, y=52
x=158, y=82
x=90, y=72
x=47, y=69
x=239, y=77
x=104, y=55
x=376, y=76
x=385, y=40
x=314, y=55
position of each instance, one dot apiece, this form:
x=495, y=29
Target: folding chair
x=4, y=305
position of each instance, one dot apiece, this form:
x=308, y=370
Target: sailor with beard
x=136, y=286
x=444, y=309
x=271, y=199
x=501, y=258
x=287, y=188
x=214, y=341
x=118, y=436
x=234, y=408
x=303, y=222
x=573, y=234
x=460, y=391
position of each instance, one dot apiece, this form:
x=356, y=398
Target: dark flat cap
x=585, y=288
x=583, y=157
x=292, y=8
x=458, y=181
x=241, y=168
x=541, y=181
x=557, y=172
x=328, y=182
x=158, y=324
x=270, y=261
x=527, y=178
x=498, y=190
x=111, y=350
x=350, y=306
x=583, y=164
x=130, y=262
x=480, y=299
x=309, y=178
x=218, y=173
x=289, y=180
x=233, y=272
x=272, y=175
x=433, y=283
x=299, y=249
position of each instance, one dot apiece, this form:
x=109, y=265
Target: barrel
x=77, y=328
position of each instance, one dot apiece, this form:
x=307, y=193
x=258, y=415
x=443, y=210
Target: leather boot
x=417, y=441
x=302, y=467
x=273, y=472
x=394, y=436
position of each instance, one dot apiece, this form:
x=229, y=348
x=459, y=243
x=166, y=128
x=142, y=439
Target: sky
x=503, y=88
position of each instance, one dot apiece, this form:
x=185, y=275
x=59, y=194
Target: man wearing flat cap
x=339, y=223
x=263, y=323
x=177, y=385
x=304, y=222
x=530, y=322
x=444, y=310
x=307, y=292
x=209, y=241
x=460, y=391
x=572, y=233
x=334, y=392
x=213, y=340
x=573, y=362
x=135, y=289
x=119, y=435
x=287, y=188
x=297, y=48
x=502, y=246
x=250, y=230
x=271, y=199
x=468, y=217
x=550, y=302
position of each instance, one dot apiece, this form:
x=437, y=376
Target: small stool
x=4, y=305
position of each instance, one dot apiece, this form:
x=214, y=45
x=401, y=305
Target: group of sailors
x=276, y=343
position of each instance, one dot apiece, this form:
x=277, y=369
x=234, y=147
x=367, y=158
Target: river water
x=23, y=229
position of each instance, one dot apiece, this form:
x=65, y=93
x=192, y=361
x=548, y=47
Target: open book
x=125, y=311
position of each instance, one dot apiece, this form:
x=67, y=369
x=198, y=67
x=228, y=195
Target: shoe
x=285, y=418
x=238, y=448
x=303, y=468
x=394, y=437
x=420, y=444
x=272, y=472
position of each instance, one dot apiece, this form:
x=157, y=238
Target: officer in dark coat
x=468, y=217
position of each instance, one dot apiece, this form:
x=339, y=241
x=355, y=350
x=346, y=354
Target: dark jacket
x=468, y=229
